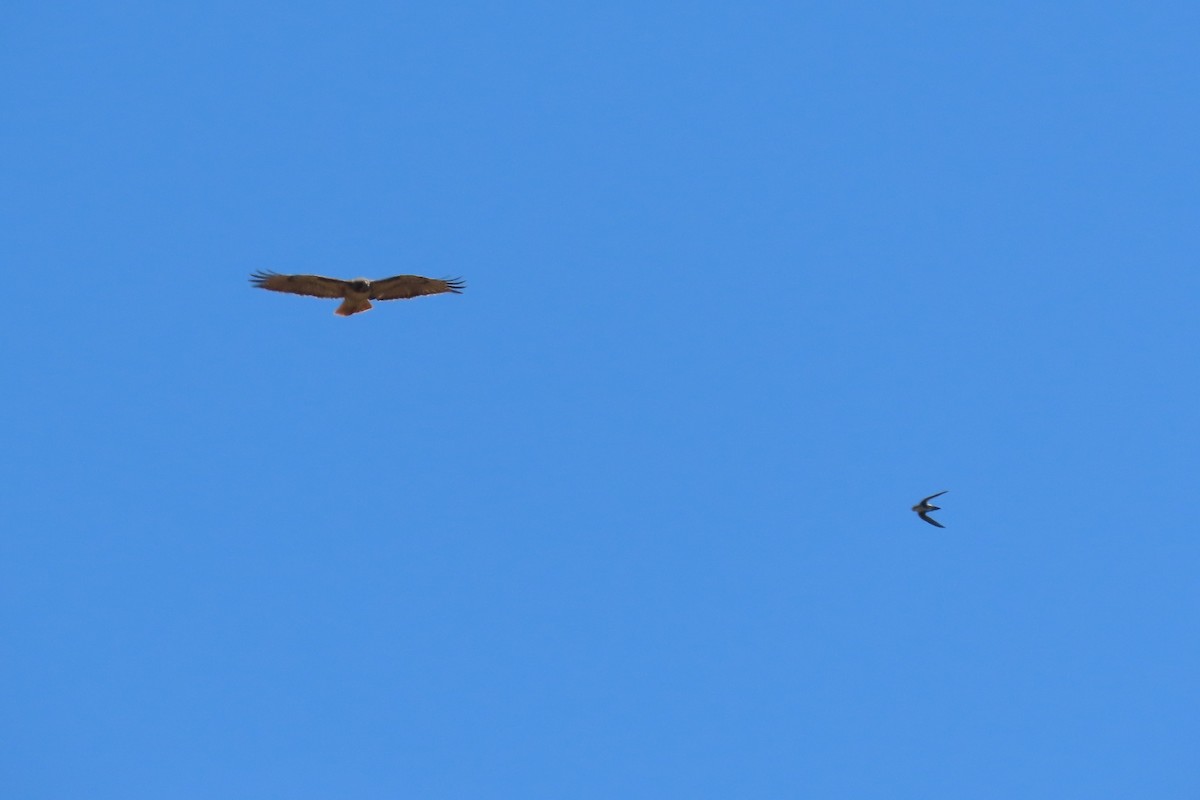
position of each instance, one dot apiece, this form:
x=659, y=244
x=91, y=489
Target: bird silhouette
x=923, y=508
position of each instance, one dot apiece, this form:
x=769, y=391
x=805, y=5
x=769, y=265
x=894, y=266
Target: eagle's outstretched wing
x=311, y=285
x=402, y=287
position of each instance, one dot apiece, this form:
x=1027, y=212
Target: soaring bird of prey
x=923, y=508
x=357, y=294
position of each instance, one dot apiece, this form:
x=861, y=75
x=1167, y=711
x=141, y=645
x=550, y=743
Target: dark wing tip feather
x=456, y=284
x=260, y=277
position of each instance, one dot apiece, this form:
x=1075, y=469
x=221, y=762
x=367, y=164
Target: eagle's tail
x=352, y=306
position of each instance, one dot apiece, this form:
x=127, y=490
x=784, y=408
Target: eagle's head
x=360, y=285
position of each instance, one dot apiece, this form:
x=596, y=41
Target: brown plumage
x=356, y=294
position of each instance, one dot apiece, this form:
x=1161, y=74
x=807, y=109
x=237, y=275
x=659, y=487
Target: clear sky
x=630, y=516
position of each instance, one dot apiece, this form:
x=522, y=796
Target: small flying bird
x=357, y=294
x=923, y=508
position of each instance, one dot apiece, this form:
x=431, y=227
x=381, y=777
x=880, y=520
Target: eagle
x=357, y=294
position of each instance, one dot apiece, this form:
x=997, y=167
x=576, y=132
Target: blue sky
x=629, y=518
